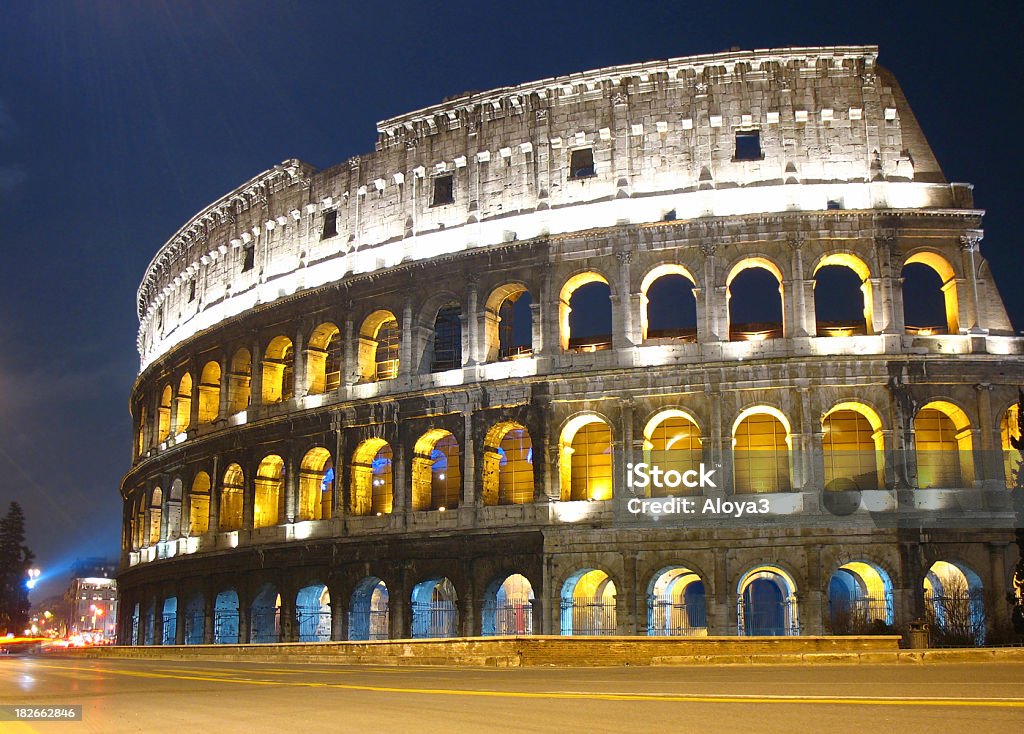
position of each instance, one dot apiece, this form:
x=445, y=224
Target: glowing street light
x=33, y=577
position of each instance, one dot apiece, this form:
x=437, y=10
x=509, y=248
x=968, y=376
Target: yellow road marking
x=567, y=695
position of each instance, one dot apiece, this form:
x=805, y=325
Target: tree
x=1018, y=505
x=15, y=559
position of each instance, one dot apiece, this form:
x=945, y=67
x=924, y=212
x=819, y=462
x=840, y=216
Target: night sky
x=120, y=120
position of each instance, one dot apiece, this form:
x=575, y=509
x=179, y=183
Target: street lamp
x=33, y=577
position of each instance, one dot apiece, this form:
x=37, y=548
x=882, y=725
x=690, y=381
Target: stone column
x=291, y=488
x=473, y=352
x=468, y=458
x=968, y=247
x=256, y=377
x=289, y=616
x=215, y=490
x=209, y=600
x=997, y=583
x=350, y=368
x=625, y=328
x=715, y=312
x=300, y=380
x=339, y=613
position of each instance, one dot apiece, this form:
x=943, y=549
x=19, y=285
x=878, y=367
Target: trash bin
x=919, y=635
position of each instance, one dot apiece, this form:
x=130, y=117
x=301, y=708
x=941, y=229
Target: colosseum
x=410, y=395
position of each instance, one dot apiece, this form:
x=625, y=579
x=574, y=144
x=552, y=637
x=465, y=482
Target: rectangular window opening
x=444, y=190
x=248, y=258
x=748, y=146
x=330, y=224
x=581, y=163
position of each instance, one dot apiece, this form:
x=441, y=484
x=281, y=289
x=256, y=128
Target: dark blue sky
x=119, y=120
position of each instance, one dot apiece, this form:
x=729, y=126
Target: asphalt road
x=221, y=698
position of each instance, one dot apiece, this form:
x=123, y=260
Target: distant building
x=91, y=599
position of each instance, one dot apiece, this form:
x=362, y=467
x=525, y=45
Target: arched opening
x=1009, y=429
x=183, y=405
x=508, y=323
x=860, y=600
x=323, y=359
x=676, y=603
x=140, y=435
x=668, y=307
x=942, y=436
x=133, y=634
x=446, y=340
x=141, y=522
x=754, y=293
x=169, y=619
x=209, y=393
x=156, y=502
x=852, y=447
x=173, y=510
x=239, y=380
x=313, y=613
x=766, y=603
x=508, y=465
x=588, y=604
x=265, y=616
x=435, y=610
x=760, y=440
x=436, y=471
x=368, y=612
x=585, y=459
x=508, y=606
x=278, y=371
x=225, y=618
x=842, y=296
x=194, y=619
x=954, y=604
x=232, y=493
x=163, y=430
x=585, y=313
x=672, y=443
x=371, y=478
x=378, y=347
x=269, y=492
x=316, y=485
x=199, y=505
x=930, y=302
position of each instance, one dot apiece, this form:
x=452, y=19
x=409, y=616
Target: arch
x=265, y=616
x=436, y=471
x=853, y=447
x=435, y=611
x=508, y=606
x=588, y=604
x=672, y=442
x=676, y=603
x=140, y=435
x=269, y=495
x=843, y=325
x=954, y=604
x=239, y=381
x=194, y=619
x=163, y=430
x=599, y=336
x=669, y=311
x=155, y=515
x=860, y=599
x=225, y=618
x=368, y=616
x=767, y=603
x=183, y=404
x=508, y=465
x=942, y=436
x=278, y=371
x=232, y=493
x=508, y=323
x=316, y=485
x=585, y=459
x=313, y=613
x=133, y=634
x=446, y=339
x=323, y=359
x=746, y=330
x=199, y=504
x=1009, y=429
x=372, y=491
x=169, y=619
x=379, y=338
x=209, y=392
x=761, y=446
x=950, y=297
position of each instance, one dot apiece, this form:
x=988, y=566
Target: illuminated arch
x=770, y=330
x=313, y=613
x=861, y=270
x=947, y=275
x=767, y=603
x=657, y=273
x=506, y=307
x=585, y=459
x=323, y=359
x=372, y=478
x=183, y=404
x=169, y=620
x=278, y=371
x=588, y=599
x=435, y=610
x=378, y=347
x=239, y=381
x=672, y=442
x=209, y=392
x=508, y=465
x=954, y=602
x=155, y=515
x=140, y=436
x=1009, y=427
x=860, y=599
x=232, y=494
x=265, y=616
x=225, y=618
x=570, y=287
x=761, y=438
x=508, y=606
x=853, y=447
x=269, y=493
x=676, y=603
x=368, y=617
x=199, y=504
x=164, y=415
x=316, y=485
x=436, y=471
x=942, y=435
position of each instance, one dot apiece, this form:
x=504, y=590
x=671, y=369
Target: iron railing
x=677, y=620
x=434, y=619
